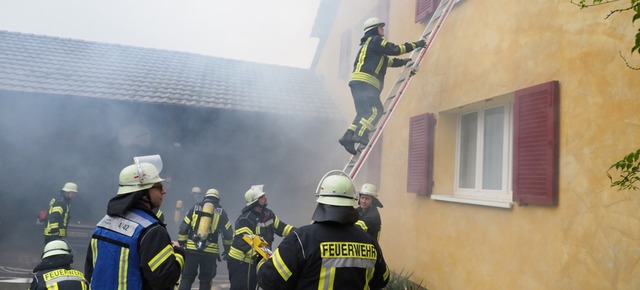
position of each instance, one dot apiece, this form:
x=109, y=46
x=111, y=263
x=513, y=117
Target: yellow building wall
x=591, y=239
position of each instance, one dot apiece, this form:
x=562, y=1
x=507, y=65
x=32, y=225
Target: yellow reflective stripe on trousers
x=327, y=276
x=123, y=269
x=280, y=266
x=161, y=257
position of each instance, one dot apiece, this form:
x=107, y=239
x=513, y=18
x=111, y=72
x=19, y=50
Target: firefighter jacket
x=252, y=222
x=132, y=251
x=325, y=255
x=56, y=273
x=372, y=60
x=58, y=217
x=370, y=221
x=219, y=224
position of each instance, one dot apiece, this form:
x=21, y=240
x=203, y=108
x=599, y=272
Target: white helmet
x=70, y=187
x=56, y=247
x=195, y=190
x=253, y=194
x=139, y=176
x=371, y=190
x=212, y=192
x=336, y=188
x=371, y=23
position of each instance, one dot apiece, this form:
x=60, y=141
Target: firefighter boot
x=348, y=143
x=364, y=139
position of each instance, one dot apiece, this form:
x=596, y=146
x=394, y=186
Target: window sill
x=492, y=203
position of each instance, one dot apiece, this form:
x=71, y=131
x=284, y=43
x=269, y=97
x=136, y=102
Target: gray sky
x=273, y=32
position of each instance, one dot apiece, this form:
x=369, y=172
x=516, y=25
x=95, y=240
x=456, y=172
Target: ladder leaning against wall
x=404, y=78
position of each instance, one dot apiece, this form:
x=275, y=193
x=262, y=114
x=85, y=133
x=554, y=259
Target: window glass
x=468, y=147
x=493, y=148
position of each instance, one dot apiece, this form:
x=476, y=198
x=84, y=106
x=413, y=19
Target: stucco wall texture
x=591, y=239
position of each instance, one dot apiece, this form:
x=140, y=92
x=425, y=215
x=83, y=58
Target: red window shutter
x=535, y=156
x=420, y=167
x=424, y=8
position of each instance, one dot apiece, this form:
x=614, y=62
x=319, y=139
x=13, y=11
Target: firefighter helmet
x=372, y=22
x=212, y=192
x=371, y=190
x=253, y=194
x=70, y=187
x=137, y=177
x=336, y=188
x=56, y=247
x=195, y=190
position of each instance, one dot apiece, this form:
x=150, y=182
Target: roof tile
x=52, y=65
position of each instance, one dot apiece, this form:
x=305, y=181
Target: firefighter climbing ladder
x=404, y=78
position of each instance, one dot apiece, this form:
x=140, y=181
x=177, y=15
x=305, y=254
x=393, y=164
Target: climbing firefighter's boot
x=348, y=143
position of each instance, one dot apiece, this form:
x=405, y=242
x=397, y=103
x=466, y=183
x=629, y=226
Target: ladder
x=404, y=78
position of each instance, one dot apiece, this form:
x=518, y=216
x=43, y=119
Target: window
x=484, y=153
x=506, y=149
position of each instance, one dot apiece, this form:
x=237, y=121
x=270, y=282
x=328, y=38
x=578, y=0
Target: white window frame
x=494, y=198
x=505, y=194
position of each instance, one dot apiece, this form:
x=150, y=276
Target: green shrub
x=400, y=281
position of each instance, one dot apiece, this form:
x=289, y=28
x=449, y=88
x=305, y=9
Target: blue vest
x=116, y=261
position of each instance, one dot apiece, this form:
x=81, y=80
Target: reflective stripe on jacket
x=325, y=255
x=61, y=278
x=58, y=218
x=264, y=224
x=370, y=65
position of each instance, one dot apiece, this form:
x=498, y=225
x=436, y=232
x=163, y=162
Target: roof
x=52, y=65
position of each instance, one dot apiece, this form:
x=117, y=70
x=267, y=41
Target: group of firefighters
x=131, y=249
x=131, y=246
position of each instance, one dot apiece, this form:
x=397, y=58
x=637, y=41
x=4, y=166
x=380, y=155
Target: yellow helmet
x=336, y=188
x=195, y=190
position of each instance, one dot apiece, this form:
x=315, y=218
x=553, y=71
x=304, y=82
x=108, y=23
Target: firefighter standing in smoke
x=367, y=80
x=55, y=271
x=369, y=216
x=59, y=210
x=130, y=248
x=198, y=234
x=255, y=219
x=330, y=253
x=196, y=194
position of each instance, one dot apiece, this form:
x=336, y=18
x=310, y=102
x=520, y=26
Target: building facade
x=520, y=109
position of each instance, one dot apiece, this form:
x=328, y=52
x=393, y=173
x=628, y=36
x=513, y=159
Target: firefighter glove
x=421, y=43
x=405, y=61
